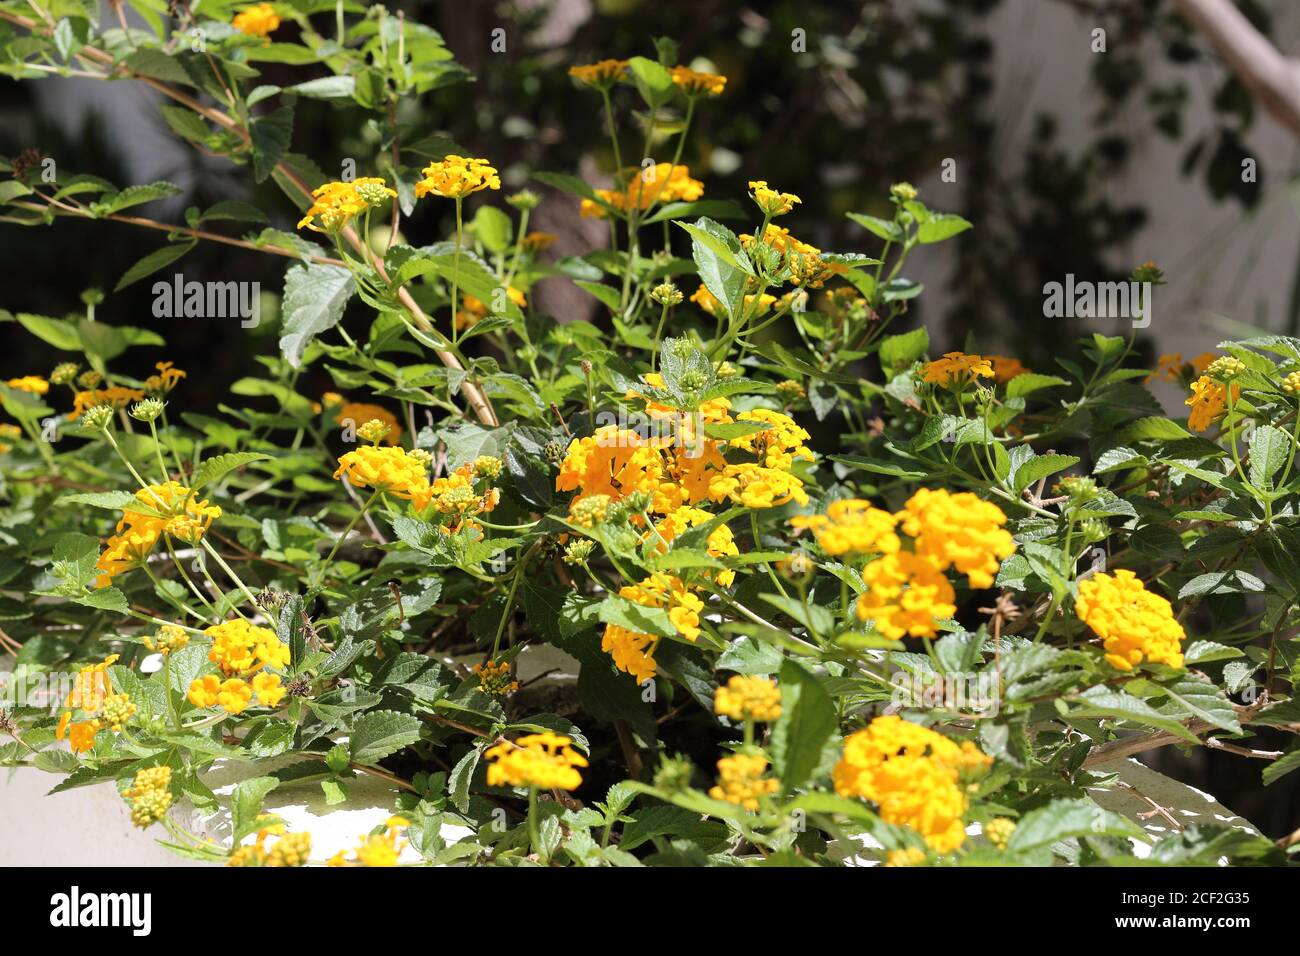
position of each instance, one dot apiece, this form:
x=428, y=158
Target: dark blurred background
x=1069, y=158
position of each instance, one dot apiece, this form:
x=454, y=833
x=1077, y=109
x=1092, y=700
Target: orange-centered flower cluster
x=169, y=508
x=546, y=761
x=1133, y=623
x=907, y=590
x=241, y=650
x=92, y=698
x=956, y=369
x=335, y=204
x=914, y=775
x=257, y=20
x=662, y=182
x=454, y=177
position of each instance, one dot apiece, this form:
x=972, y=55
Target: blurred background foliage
x=832, y=100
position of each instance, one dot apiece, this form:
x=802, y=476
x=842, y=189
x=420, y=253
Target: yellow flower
x=741, y=780
x=391, y=470
x=204, y=690
x=234, y=695
x=238, y=646
x=1132, y=622
x=30, y=383
x=149, y=795
x=912, y=856
x=913, y=774
x=494, y=678
x=998, y=831
x=358, y=413
x=852, y=526
x=1291, y=384
x=960, y=531
x=92, y=694
x=1208, y=401
x=542, y=760
x=757, y=487
x=116, y=396
x=806, y=266
x=537, y=241
x=169, y=638
x=748, y=698
x=780, y=444
x=333, y=207
x=257, y=20
x=956, y=368
x=268, y=689
x=632, y=652
x=454, y=177
x=662, y=182
x=602, y=74
x=772, y=203
x=169, y=508
x=693, y=83
x=1005, y=369
x=905, y=595
x=707, y=301
x=169, y=375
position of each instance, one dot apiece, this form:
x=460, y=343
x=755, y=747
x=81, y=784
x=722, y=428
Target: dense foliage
x=820, y=598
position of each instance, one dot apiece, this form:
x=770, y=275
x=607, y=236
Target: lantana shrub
x=911, y=640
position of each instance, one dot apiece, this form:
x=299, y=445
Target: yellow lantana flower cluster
x=358, y=413
x=1133, y=623
x=93, y=696
x=241, y=650
x=741, y=780
x=546, y=761
x=394, y=471
x=289, y=849
x=149, y=795
x=454, y=177
x=257, y=21
x=772, y=202
x=335, y=204
x=376, y=849
x=958, y=530
x=33, y=384
x=806, y=266
x=168, y=639
x=602, y=74
x=696, y=83
x=1209, y=400
x=914, y=775
x=956, y=369
x=852, y=526
x=169, y=508
x=748, y=698
x=662, y=182
x=633, y=652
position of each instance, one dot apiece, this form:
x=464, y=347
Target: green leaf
x=897, y=352
x=57, y=332
x=382, y=732
x=1270, y=448
x=134, y=196
x=270, y=136
x=1063, y=819
x=1281, y=767
x=1030, y=382
x=158, y=259
x=1100, y=702
x=653, y=82
x=939, y=227
x=314, y=299
x=634, y=617
x=1197, y=697
x=494, y=229
x=1040, y=467
x=326, y=88
x=246, y=804
x=214, y=468
x=881, y=228
x=723, y=265
x=807, y=720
